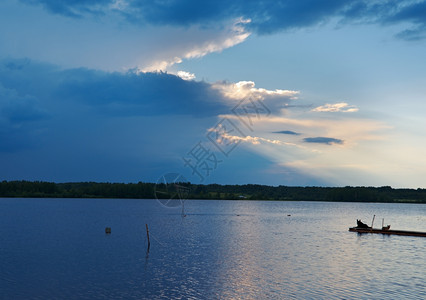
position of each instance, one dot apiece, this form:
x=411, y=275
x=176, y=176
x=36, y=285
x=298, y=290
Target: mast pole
x=147, y=234
x=372, y=222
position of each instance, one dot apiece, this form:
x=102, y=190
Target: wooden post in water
x=147, y=234
x=373, y=221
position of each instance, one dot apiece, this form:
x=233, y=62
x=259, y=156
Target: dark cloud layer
x=140, y=94
x=18, y=115
x=287, y=132
x=266, y=16
x=323, y=140
x=116, y=93
x=35, y=97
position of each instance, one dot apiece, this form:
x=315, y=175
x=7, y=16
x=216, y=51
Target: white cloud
x=254, y=140
x=235, y=35
x=186, y=75
x=244, y=89
x=337, y=107
x=161, y=65
x=231, y=36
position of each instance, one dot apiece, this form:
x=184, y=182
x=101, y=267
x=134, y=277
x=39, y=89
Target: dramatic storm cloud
x=266, y=16
x=129, y=93
x=304, y=92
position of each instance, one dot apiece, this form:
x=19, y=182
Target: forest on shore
x=145, y=190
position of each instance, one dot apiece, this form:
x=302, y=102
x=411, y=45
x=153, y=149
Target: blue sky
x=328, y=93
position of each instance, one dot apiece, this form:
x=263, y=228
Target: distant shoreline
x=141, y=190
x=213, y=199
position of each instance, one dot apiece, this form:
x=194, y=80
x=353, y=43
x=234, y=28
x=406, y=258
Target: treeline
x=39, y=189
x=335, y=194
x=141, y=190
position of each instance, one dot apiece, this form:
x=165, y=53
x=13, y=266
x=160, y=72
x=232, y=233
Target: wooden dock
x=387, y=231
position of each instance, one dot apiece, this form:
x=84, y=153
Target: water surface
x=57, y=248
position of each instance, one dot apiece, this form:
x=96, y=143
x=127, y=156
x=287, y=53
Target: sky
x=298, y=93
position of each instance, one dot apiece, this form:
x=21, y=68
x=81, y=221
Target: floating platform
x=387, y=231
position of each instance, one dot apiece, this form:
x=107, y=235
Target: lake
x=58, y=249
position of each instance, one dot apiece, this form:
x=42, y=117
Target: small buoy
x=107, y=230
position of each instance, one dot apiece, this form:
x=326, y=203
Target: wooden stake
x=373, y=221
x=147, y=234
